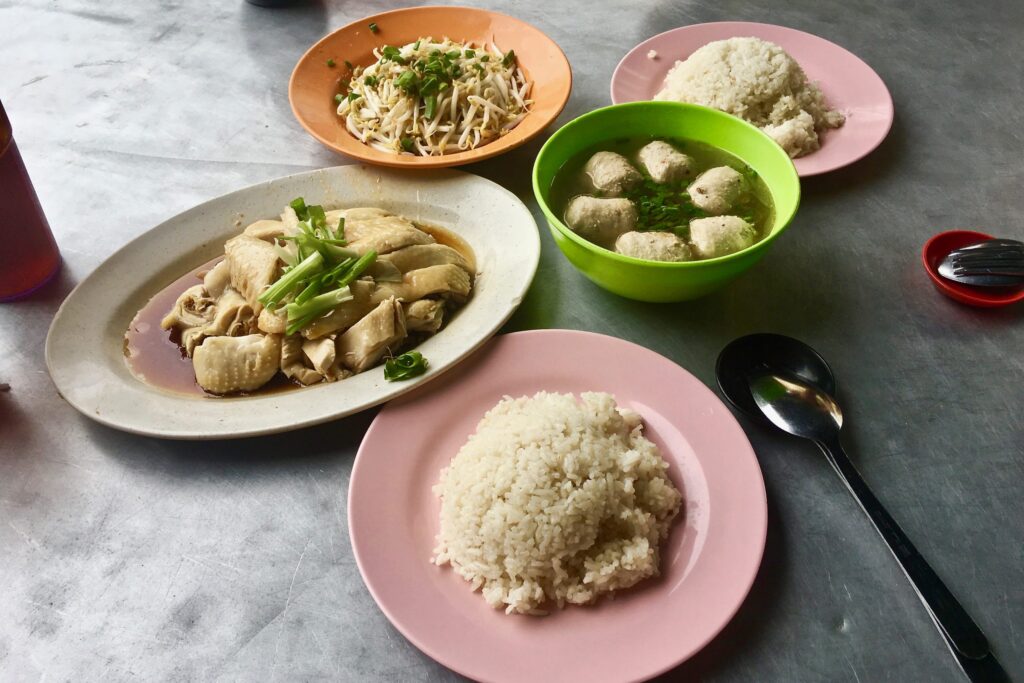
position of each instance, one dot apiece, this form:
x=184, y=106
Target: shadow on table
x=751, y=621
x=50, y=295
x=872, y=169
x=775, y=295
x=514, y=170
x=957, y=322
x=14, y=421
x=304, y=448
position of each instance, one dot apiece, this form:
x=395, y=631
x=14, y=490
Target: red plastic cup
x=28, y=252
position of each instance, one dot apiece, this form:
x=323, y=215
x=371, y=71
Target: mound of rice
x=757, y=81
x=555, y=500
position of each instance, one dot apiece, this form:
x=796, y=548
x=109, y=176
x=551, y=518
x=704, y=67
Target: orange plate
x=314, y=84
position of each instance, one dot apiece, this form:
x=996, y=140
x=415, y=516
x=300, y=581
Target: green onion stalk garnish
x=300, y=315
x=408, y=365
x=318, y=270
x=310, y=266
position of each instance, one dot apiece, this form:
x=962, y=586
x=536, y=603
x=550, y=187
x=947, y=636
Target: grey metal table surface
x=126, y=557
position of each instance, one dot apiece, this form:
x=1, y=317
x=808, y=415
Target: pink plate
x=708, y=566
x=847, y=82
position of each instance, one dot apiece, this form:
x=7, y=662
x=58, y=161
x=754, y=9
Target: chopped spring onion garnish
x=663, y=208
x=408, y=365
x=443, y=96
x=374, y=28
x=339, y=97
x=318, y=268
x=330, y=63
x=391, y=54
x=348, y=65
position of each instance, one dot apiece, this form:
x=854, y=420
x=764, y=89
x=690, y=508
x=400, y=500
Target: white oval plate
x=84, y=348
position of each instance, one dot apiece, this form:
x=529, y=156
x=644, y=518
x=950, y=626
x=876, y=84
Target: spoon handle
x=953, y=621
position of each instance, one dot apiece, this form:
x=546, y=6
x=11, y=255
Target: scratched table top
x=126, y=557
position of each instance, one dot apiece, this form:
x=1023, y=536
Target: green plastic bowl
x=655, y=280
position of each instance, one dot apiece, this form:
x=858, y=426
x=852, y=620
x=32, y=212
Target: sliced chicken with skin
x=364, y=343
x=334, y=216
x=191, y=339
x=194, y=308
x=363, y=213
x=425, y=315
x=357, y=220
x=290, y=220
x=322, y=354
x=234, y=316
x=225, y=365
x=192, y=312
x=293, y=363
x=425, y=255
x=384, y=235
x=253, y=264
x=362, y=223
x=384, y=271
x=448, y=281
x=272, y=321
x=364, y=299
x=217, y=279
x=265, y=230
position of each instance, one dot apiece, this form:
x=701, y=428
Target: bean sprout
x=431, y=98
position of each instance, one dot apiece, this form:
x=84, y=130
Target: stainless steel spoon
x=791, y=385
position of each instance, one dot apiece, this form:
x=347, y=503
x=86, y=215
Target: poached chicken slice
x=364, y=343
x=253, y=266
x=225, y=365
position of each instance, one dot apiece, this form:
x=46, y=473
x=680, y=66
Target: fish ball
x=720, y=235
x=664, y=163
x=716, y=190
x=653, y=246
x=600, y=220
x=611, y=173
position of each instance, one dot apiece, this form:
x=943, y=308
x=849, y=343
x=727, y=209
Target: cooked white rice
x=757, y=81
x=555, y=500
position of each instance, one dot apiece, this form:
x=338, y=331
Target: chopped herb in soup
x=663, y=200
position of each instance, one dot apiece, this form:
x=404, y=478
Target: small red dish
x=938, y=247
